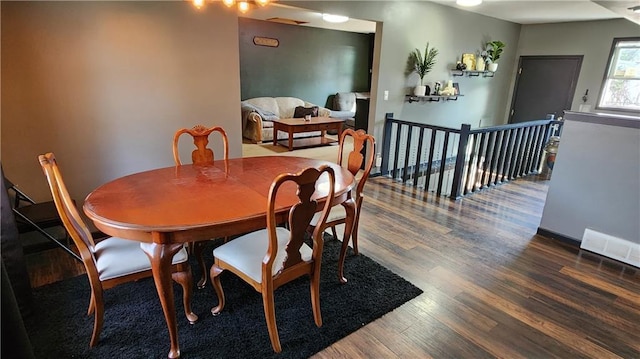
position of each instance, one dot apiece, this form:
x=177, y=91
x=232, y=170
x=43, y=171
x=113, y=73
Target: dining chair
x=36, y=216
x=355, y=160
x=202, y=155
x=110, y=261
x=271, y=257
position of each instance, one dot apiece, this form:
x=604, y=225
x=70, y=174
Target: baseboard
x=562, y=238
x=579, y=244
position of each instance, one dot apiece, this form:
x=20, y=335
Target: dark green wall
x=309, y=63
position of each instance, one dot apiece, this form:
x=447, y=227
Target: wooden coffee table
x=297, y=125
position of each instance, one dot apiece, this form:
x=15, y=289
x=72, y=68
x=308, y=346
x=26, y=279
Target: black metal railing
x=455, y=162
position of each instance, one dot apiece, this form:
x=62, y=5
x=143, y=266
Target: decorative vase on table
x=420, y=90
x=493, y=66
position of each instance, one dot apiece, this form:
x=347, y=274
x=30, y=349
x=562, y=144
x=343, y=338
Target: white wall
x=105, y=85
x=596, y=178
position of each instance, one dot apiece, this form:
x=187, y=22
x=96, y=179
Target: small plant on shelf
x=494, y=51
x=421, y=65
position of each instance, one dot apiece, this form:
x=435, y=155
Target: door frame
x=572, y=89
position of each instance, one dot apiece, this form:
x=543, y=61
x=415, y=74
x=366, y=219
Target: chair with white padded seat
x=110, y=261
x=271, y=257
x=355, y=161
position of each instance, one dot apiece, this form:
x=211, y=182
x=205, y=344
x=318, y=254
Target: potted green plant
x=421, y=65
x=494, y=51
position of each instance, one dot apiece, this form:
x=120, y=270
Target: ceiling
x=518, y=11
x=543, y=11
x=305, y=17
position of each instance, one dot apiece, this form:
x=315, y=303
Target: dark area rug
x=134, y=325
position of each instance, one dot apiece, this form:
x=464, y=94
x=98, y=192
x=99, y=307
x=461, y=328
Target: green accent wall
x=309, y=63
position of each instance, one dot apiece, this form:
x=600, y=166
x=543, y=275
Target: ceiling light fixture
x=198, y=4
x=635, y=9
x=334, y=18
x=243, y=6
x=468, y=2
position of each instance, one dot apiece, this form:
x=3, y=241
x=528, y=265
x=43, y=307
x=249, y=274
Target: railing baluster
x=521, y=149
x=514, y=154
x=524, y=164
x=504, y=152
x=495, y=158
x=434, y=134
x=443, y=160
x=535, y=165
x=526, y=144
x=397, y=153
x=416, y=172
x=524, y=154
x=483, y=148
x=490, y=153
x=407, y=152
x=468, y=173
x=507, y=155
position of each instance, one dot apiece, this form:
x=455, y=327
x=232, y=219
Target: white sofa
x=259, y=112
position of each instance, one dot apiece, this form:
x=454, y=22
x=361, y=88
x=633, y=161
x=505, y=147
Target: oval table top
x=189, y=197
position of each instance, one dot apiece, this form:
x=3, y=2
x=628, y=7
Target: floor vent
x=612, y=247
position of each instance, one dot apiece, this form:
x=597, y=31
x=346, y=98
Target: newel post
x=456, y=188
x=386, y=144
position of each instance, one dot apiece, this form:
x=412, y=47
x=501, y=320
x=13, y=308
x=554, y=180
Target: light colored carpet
x=327, y=153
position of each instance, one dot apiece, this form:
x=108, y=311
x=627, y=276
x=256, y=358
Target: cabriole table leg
x=161, y=256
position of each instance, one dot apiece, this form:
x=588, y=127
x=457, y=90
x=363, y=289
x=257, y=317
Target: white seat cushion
x=116, y=257
x=337, y=212
x=245, y=253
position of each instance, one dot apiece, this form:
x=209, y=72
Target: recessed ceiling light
x=635, y=9
x=334, y=18
x=468, y=2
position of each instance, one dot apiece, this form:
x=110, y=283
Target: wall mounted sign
x=265, y=41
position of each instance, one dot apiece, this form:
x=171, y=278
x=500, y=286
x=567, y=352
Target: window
x=621, y=86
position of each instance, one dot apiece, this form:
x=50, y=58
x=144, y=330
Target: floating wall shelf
x=471, y=73
x=430, y=98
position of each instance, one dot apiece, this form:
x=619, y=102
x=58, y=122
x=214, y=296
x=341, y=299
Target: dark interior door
x=544, y=85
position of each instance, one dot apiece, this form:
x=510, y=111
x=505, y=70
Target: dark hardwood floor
x=492, y=287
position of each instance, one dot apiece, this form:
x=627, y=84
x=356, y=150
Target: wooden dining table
x=168, y=207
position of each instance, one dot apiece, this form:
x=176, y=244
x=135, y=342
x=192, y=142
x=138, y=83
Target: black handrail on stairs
x=463, y=160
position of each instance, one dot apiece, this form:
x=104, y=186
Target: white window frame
x=628, y=79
